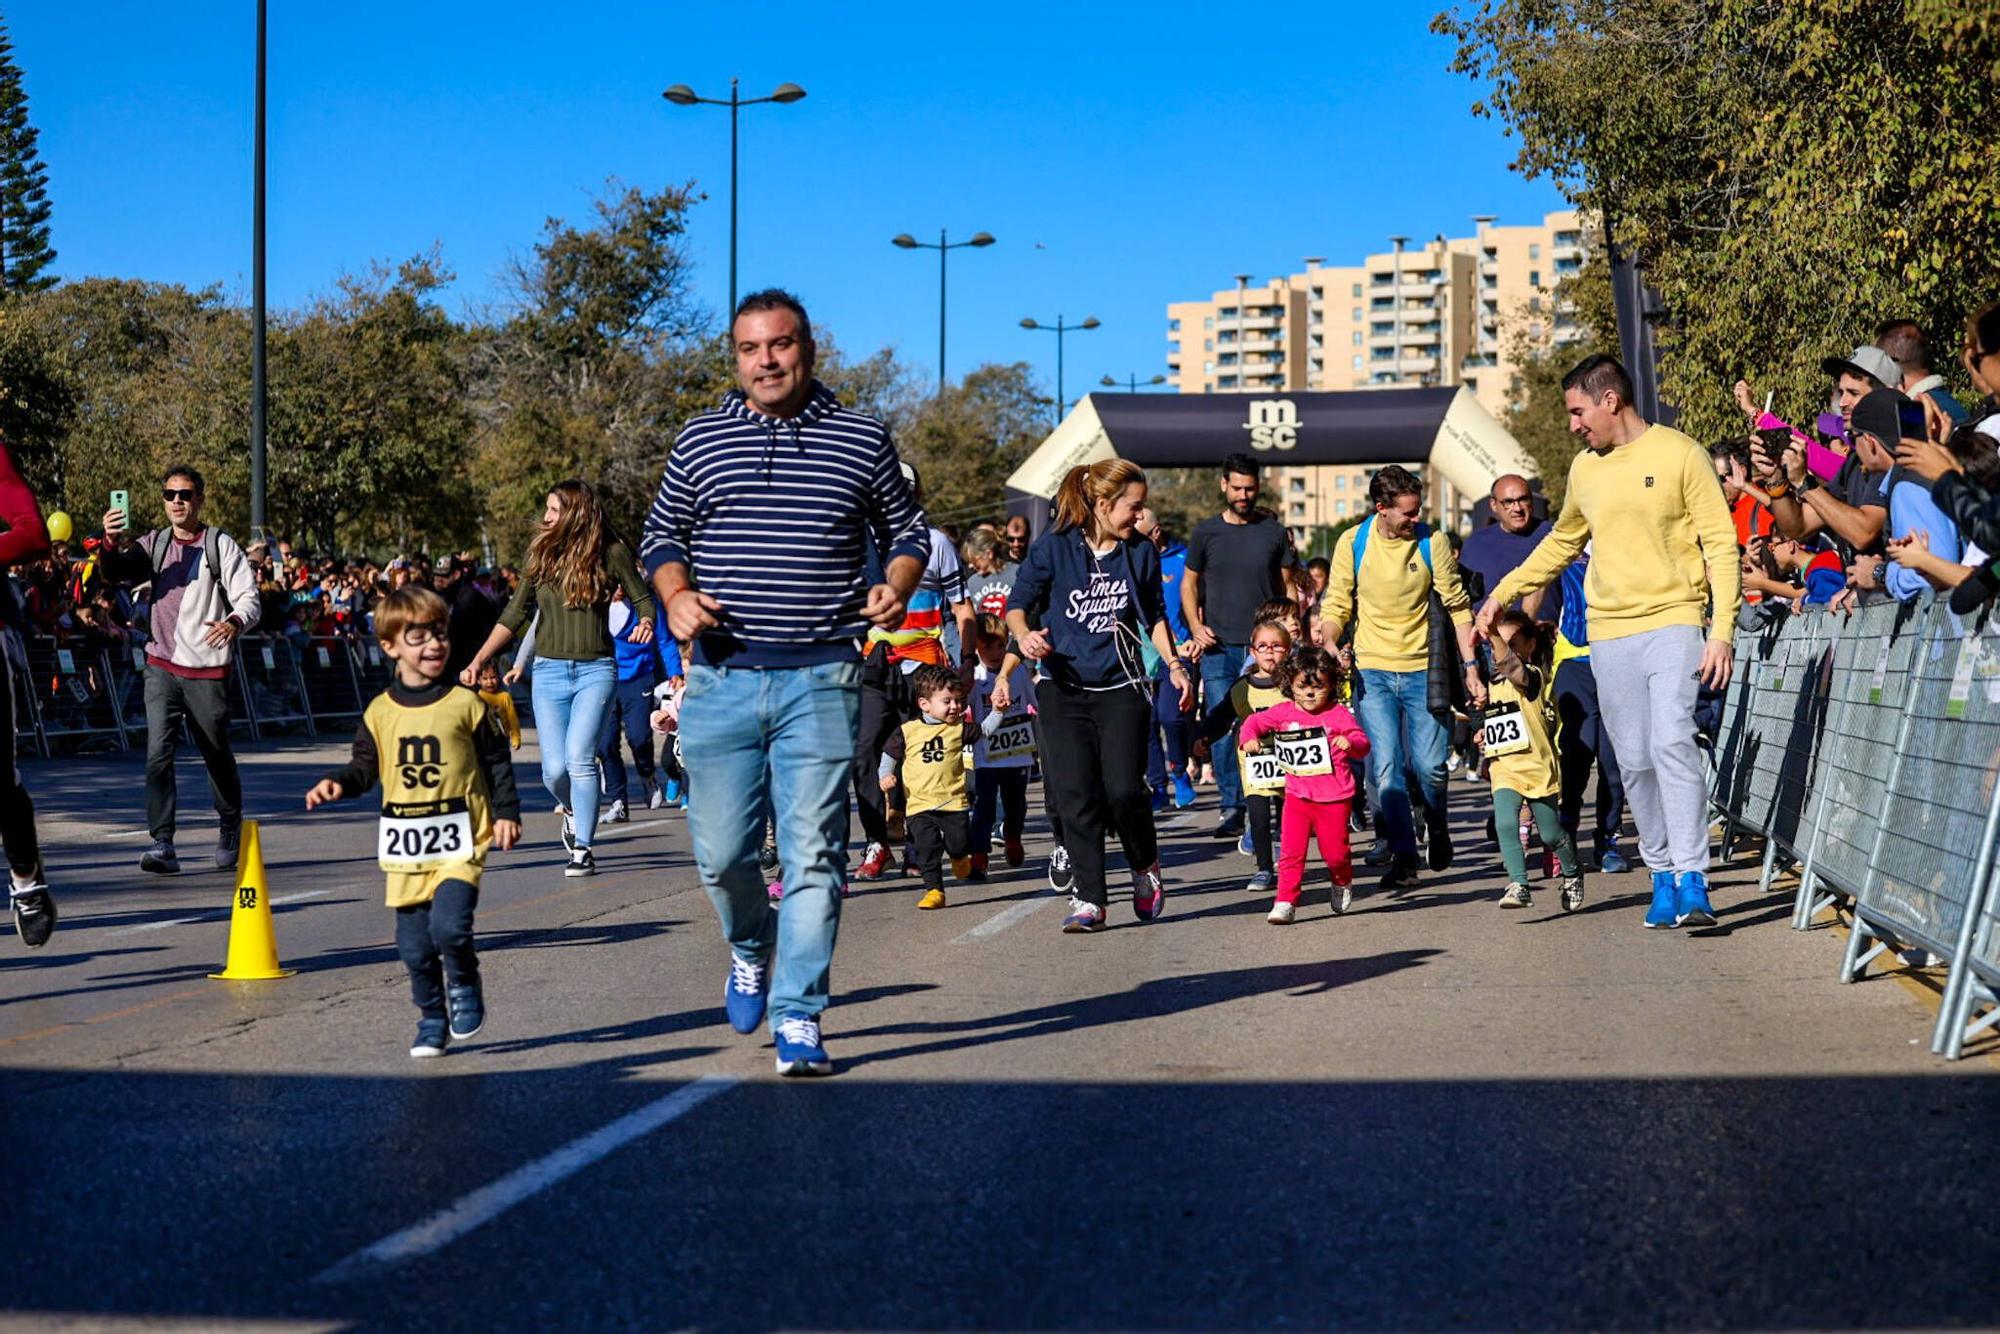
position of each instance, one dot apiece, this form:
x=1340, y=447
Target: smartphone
x=122, y=502
x=1910, y=416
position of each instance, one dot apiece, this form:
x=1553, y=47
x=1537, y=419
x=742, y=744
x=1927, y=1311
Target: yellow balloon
x=59, y=527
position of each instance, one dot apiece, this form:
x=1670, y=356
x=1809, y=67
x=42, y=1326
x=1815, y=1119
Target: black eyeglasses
x=416, y=636
x=1511, y=500
x=177, y=493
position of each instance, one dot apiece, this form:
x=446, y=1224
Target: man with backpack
x=1388, y=573
x=204, y=594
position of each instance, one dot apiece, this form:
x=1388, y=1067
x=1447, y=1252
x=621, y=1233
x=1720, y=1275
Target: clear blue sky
x=1153, y=150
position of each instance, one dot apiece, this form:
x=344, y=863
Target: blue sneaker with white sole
x=1245, y=846
x=1664, y=911
x=1183, y=792
x=1691, y=905
x=743, y=995
x=799, y=1049
x=1612, y=862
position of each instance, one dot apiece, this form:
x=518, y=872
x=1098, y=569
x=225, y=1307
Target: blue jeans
x=782, y=739
x=1220, y=666
x=1404, y=740
x=570, y=702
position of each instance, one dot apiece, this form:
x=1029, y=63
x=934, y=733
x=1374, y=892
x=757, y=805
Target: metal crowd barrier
x=1869, y=749
x=78, y=698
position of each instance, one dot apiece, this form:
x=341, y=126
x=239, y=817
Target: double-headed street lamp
x=683, y=96
x=941, y=245
x=1059, y=329
x=1132, y=383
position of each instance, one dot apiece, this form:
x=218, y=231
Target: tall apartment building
x=1437, y=313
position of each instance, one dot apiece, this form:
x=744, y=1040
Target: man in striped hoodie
x=756, y=545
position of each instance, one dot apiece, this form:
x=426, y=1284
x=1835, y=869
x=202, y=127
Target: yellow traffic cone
x=253, y=950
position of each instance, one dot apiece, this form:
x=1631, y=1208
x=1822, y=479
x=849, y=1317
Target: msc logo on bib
x=1273, y=423
x=420, y=760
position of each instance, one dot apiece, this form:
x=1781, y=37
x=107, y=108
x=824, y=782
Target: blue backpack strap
x=1423, y=538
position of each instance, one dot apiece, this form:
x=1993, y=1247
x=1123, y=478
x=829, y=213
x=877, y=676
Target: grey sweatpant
x=1646, y=691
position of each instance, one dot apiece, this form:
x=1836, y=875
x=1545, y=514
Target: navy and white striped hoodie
x=773, y=517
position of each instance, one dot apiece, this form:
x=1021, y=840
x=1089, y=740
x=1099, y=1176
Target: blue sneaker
x=799, y=1049
x=1691, y=906
x=743, y=995
x=1662, y=912
x=1245, y=846
x=1611, y=862
x=1159, y=798
x=1183, y=792
x=468, y=1010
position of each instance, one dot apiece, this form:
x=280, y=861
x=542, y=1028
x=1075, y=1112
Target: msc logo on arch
x=1273, y=423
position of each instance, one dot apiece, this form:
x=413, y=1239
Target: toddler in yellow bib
x=447, y=796
x=1517, y=741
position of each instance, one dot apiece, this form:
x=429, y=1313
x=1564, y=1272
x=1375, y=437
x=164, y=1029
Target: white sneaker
x=1517, y=896
x=657, y=798
x=1283, y=913
x=619, y=812
x=1343, y=898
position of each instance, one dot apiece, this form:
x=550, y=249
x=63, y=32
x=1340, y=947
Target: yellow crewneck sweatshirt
x=1665, y=548
x=1389, y=606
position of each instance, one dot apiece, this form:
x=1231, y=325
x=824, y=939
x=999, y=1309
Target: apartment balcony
x=1417, y=291
x=1384, y=339
x=1253, y=343
x=1427, y=330
x=1417, y=364
x=1477, y=363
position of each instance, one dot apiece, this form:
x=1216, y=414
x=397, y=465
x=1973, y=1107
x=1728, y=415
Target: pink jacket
x=1338, y=783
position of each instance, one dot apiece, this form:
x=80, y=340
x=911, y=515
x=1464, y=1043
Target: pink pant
x=1303, y=819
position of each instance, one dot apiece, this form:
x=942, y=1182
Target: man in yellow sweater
x=1663, y=566
x=1381, y=576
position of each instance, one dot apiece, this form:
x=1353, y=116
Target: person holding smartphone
x=1881, y=421
x=204, y=596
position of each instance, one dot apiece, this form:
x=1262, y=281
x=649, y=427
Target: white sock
x=21, y=884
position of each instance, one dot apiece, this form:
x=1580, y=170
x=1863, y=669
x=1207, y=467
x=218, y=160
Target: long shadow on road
x=1608, y=1203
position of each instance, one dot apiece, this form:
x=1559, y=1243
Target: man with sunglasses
x=204, y=594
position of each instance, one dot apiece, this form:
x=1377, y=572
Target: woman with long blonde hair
x=574, y=563
x=1094, y=585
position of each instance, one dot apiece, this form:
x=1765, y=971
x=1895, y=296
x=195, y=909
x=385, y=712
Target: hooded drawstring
x=818, y=405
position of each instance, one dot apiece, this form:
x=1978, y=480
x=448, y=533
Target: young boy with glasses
x=448, y=795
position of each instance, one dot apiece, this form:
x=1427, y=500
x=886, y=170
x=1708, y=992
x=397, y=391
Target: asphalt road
x=1426, y=1114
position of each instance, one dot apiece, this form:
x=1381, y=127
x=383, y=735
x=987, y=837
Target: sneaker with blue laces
x=1662, y=913
x=799, y=1049
x=1183, y=792
x=743, y=995
x=1612, y=862
x=1691, y=906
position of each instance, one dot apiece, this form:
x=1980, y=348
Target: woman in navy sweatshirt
x=1095, y=586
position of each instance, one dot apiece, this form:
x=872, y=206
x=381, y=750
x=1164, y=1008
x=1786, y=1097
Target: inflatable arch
x=1446, y=428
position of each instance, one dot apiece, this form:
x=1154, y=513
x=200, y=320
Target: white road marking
x=1006, y=917
x=487, y=1203
x=277, y=901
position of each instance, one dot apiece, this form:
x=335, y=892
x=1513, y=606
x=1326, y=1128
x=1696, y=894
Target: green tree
x=25, y=251
x=967, y=439
x=1790, y=174
x=601, y=355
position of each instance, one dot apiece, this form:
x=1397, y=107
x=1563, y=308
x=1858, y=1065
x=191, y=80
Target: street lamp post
x=257, y=456
x=1131, y=383
x=942, y=246
x=683, y=96
x=1059, y=329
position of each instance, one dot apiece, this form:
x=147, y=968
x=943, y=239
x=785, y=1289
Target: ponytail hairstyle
x=1540, y=635
x=1312, y=663
x=569, y=553
x=1077, y=497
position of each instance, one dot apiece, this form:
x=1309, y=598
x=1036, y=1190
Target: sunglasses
x=177, y=493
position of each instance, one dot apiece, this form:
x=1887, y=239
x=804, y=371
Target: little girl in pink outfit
x=1314, y=738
